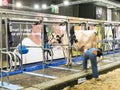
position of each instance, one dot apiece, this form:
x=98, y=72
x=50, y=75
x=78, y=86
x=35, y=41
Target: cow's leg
x=68, y=57
x=65, y=52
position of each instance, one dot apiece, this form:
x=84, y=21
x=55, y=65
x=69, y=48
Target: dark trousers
x=88, y=55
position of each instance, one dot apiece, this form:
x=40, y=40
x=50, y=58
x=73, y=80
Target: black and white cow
x=79, y=39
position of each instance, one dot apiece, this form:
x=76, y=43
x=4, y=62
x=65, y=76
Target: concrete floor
x=28, y=81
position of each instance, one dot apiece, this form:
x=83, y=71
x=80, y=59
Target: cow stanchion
x=48, y=52
x=110, y=39
x=73, y=40
x=12, y=56
x=46, y=48
x=12, y=64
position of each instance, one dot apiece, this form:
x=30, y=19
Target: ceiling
x=105, y=3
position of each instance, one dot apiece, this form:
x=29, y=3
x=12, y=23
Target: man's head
x=99, y=52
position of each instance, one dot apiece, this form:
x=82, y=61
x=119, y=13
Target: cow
x=77, y=39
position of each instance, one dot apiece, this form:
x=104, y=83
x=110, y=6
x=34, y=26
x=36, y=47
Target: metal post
x=7, y=47
x=1, y=59
x=13, y=4
x=27, y=29
x=86, y=25
x=69, y=44
x=43, y=51
x=21, y=37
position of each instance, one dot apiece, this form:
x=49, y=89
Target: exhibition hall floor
x=32, y=80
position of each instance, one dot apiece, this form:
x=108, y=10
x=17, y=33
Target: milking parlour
x=53, y=51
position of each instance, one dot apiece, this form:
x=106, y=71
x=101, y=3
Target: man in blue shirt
x=92, y=55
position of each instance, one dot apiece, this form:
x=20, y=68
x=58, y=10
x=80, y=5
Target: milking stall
x=44, y=51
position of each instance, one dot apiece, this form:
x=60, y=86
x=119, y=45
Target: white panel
x=109, y=14
x=35, y=54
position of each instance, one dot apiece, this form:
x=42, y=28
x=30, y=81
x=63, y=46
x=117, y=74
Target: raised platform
x=56, y=76
x=60, y=83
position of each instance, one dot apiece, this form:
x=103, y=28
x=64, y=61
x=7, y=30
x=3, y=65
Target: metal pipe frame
x=23, y=23
x=10, y=67
x=59, y=22
x=25, y=13
x=1, y=49
x=51, y=57
x=23, y=20
x=15, y=60
x=60, y=45
x=49, y=15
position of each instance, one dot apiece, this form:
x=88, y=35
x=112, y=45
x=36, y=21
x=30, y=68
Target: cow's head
x=56, y=39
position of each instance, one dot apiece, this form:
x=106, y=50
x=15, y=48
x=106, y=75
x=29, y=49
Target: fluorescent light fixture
x=110, y=6
x=36, y=6
x=66, y=2
x=18, y=5
x=44, y=6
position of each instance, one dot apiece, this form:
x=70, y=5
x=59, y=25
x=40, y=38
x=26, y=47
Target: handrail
x=51, y=59
x=15, y=60
x=11, y=61
x=10, y=56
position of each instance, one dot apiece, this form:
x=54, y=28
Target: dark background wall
x=115, y=15
x=82, y=10
x=87, y=10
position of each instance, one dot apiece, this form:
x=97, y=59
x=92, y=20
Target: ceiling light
x=66, y=3
x=36, y=6
x=18, y=5
x=44, y=6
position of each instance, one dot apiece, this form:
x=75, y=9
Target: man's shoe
x=96, y=79
x=85, y=70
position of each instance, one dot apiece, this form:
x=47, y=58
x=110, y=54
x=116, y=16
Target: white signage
x=0, y=2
